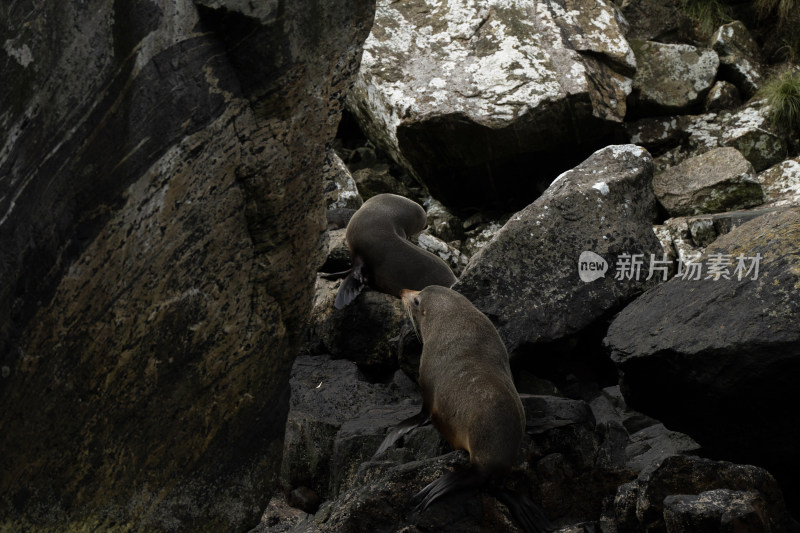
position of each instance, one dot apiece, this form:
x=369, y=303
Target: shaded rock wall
x=162, y=218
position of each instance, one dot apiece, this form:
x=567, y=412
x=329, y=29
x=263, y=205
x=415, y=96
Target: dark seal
x=468, y=394
x=383, y=258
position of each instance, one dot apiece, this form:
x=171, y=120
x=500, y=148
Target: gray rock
x=722, y=96
x=738, y=57
x=655, y=20
x=675, y=139
x=716, y=510
x=718, y=180
x=378, y=179
x=738, y=335
x=471, y=97
x=338, y=259
x=671, y=78
x=327, y=401
x=781, y=183
x=442, y=222
x=687, y=475
x=162, y=219
x=526, y=279
x=653, y=444
x=748, y=130
x=449, y=254
x=364, y=332
x=340, y=187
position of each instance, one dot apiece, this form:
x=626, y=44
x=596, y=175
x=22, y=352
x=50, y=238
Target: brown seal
x=382, y=256
x=469, y=395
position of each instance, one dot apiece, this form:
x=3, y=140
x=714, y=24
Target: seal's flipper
x=450, y=482
x=352, y=285
x=413, y=422
x=525, y=512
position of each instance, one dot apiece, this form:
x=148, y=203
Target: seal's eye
x=416, y=302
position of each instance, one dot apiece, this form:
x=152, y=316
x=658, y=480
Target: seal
x=468, y=394
x=383, y=258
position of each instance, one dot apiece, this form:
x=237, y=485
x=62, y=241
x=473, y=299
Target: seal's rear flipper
x=450, y=482
x=413, y=422
x=525, y=512
x=352, y=286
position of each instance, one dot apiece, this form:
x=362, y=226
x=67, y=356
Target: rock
x=738, y=57
x=279, y=517
x=654, y=443
x=781, y=183
x=442, y=223
x=364, y=332
x=338, y=259
x=687, y=475
x=326, y=396
x=378, y=179
x=454, y=258
x=675, y=139
x=481, y=235
x=738, y=335
x=671, y=78
x=162, y=220
x=722, y=96
x=303, y=498
x=525, y=279
x=470, y=98
x=339, y=185
x=654, y=20
x=718, y=180
x=747, y=130
x=716, y=510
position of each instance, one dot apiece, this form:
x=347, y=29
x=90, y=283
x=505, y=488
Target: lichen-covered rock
x=671, y=78
x=449, y=254
x=339, y=185
x=470, y=97
x=162, y=219
x=781, y=183
x=442, y=222
x=733, y=321
x=722, y=96
x=718, y=180
x=674, y=139
x=748, y=130
x=655, y=20
x=527, y=279
x=738, y=57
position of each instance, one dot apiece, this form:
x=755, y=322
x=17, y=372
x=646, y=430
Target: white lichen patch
x=20, y=54
x=602, y=187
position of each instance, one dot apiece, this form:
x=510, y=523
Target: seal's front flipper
x=352, y=286
x=524, y=511
x=450, y=482
x=418, y=420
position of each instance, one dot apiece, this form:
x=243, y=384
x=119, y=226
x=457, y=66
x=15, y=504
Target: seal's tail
x=450, y=482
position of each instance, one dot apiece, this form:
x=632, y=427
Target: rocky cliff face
x=162, y=218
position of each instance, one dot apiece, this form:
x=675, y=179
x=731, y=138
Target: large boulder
x=527, y=278
x=739, y=57
x=718, y=180
x=486, y=103
x=162, y=219
x=671, y=78
x=732, y=319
